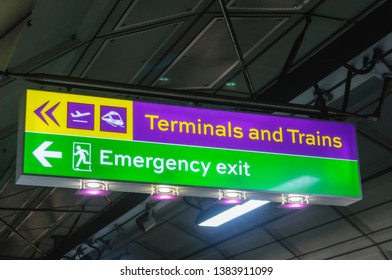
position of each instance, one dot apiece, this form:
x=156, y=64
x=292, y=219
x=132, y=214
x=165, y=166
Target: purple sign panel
x=80, y=116
x=243, y=131
x=113, y=119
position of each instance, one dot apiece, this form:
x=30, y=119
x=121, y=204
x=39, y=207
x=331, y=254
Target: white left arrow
x=41, y=154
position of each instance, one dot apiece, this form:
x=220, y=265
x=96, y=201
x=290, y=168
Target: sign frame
x=145, y=187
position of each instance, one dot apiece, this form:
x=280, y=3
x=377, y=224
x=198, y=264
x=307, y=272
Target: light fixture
x=146, y=221
x=231, y=84
x=294, y=201
x=93, y=188
x=219, y=214
x=231, y=197
x=164, y=192
x=164, y=79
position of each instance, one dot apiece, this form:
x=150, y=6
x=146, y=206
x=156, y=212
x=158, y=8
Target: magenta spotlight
x=92, y=192
x=162, y=192
x=161, y=196
x=230, y=201
x=231, y=197
x=294, y=201
x=93, y=188
x=294, y=205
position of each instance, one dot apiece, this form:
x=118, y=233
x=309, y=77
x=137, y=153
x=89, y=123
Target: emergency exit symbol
x=48, y=113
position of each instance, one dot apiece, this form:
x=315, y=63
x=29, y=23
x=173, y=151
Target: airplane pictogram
x=77, y=115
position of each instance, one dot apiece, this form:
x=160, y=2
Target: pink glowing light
x=163, y=196
x=230, y=201
x=294, y=205
x=92, y=192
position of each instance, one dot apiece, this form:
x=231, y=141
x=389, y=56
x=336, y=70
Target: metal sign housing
x=130, y=145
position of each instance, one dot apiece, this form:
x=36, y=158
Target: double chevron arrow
x=41, y=153
x=48, y=113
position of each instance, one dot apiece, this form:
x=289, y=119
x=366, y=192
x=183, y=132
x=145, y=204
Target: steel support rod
x=237, y=48
x=175, y=94
x=14, y=209
x=24, y=238
x=295, y=48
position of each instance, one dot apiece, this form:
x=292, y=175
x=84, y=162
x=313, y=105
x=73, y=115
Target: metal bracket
x=320, y=100
x=237, y=49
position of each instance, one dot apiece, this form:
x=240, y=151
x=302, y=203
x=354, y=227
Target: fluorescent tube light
x=232, y=213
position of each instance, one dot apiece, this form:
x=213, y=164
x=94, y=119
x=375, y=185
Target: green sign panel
x=185, y=165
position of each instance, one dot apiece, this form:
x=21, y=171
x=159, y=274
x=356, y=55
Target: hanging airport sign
x=67, y=138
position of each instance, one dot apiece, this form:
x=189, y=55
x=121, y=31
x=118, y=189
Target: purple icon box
x=80, y=116
x=113, y=119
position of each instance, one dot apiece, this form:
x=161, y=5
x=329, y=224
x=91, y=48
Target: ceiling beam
x=350, y=44
x=125, y=204
x=175, y=94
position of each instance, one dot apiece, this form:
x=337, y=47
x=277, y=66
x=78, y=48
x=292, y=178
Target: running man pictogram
x=81, y=156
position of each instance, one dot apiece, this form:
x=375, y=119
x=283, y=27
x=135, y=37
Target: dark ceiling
x=309, y=58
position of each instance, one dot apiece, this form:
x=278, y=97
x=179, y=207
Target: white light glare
x=165, y=189
x=94, y=185
x=233, y=213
